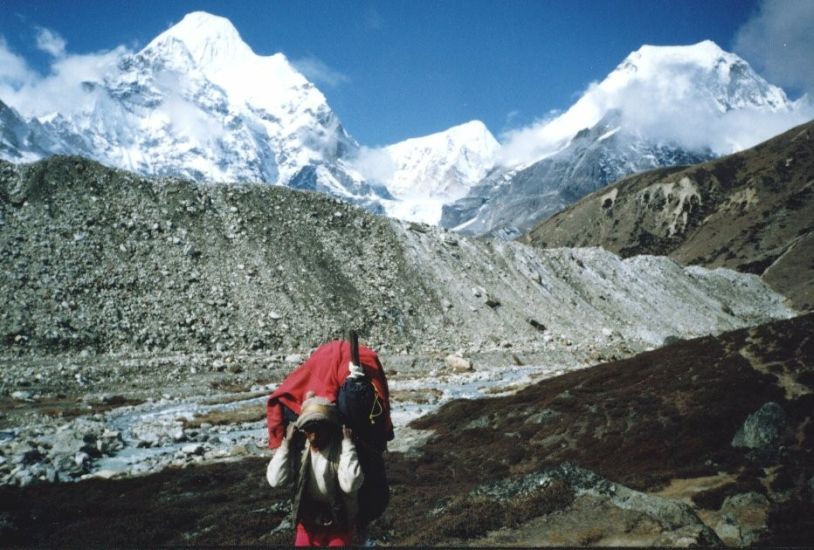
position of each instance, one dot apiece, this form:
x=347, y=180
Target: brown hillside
x=752, y=211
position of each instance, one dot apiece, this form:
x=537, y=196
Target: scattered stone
x=536, y=324
x=491, y=301
x=82, y=460
x=450, y=240
x=679, y=524
x=22, y=395
x=744, y=519
x=458, y=364
x=193, y=449
x=105, y=474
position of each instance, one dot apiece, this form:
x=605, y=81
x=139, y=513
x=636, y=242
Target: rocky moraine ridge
x=101, y=261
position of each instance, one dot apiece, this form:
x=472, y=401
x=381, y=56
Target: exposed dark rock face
x=751, y=211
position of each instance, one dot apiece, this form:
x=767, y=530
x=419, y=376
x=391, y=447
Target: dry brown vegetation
x=239, y=415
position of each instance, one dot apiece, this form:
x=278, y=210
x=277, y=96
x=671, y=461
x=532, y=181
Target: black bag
x=374, y=495
x=361, y=410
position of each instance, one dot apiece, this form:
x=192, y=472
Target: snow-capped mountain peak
x=211, y=41
x=211, y=44
x=432, y=170
x=664, y=93
x=662, y=106
x=198, y=102
x=698, y=71
x=444, y=164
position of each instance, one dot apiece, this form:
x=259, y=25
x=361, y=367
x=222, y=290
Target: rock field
x=130, y=298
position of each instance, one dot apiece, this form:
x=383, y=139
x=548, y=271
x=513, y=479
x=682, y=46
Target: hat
x=316, y=409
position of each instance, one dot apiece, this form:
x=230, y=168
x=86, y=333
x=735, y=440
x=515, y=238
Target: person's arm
x=278, y=472
x=350, y=472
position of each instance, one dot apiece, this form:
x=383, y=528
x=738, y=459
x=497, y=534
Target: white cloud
x=547, y=135
x=189, y=120
x=374, y=164
x=63, y=89
x=671, y=104
x=320, y=73
x=50, y=42
x=14, y=71
x=779, y=40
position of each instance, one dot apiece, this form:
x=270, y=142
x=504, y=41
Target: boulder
x=192, y=449
x=744, y=519
x=672, y=523
x=762, y=429
x=456, y=363
x=22, y=395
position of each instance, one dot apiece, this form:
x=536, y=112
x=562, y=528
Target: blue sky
x=398, y=69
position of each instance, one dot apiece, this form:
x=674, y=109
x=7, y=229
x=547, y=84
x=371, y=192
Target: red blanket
x=324, y=373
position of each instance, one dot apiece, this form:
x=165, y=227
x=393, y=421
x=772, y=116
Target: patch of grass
x=251, y=413
x=713, y=499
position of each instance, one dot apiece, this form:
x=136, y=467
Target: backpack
x=361, y=410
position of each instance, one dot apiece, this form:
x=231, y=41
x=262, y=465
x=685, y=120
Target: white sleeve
x=350, y=472
x=278, y=471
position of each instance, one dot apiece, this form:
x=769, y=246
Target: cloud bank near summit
x=779, y=40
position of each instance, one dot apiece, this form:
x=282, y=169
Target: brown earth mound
x=751, y=211
x=649, y=422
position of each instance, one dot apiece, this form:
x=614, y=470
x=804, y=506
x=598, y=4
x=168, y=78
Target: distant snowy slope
x=197, y=102
x=669, y=93
x=662, y=106
x=427, y=172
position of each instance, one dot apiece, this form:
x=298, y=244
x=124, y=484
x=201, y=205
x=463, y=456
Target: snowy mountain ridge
x=660, y=91
x=197, y=102
x=430, y=171
x=662, y=106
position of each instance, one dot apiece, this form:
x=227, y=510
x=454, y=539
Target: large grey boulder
x=762, y=429
x=676, y=524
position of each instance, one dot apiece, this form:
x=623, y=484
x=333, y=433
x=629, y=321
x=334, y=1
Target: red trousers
x=321, y=537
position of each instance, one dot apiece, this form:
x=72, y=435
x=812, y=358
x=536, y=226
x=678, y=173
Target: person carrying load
x=339, y=400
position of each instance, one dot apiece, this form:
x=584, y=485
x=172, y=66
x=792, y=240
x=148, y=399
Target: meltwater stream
x=155, y=438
